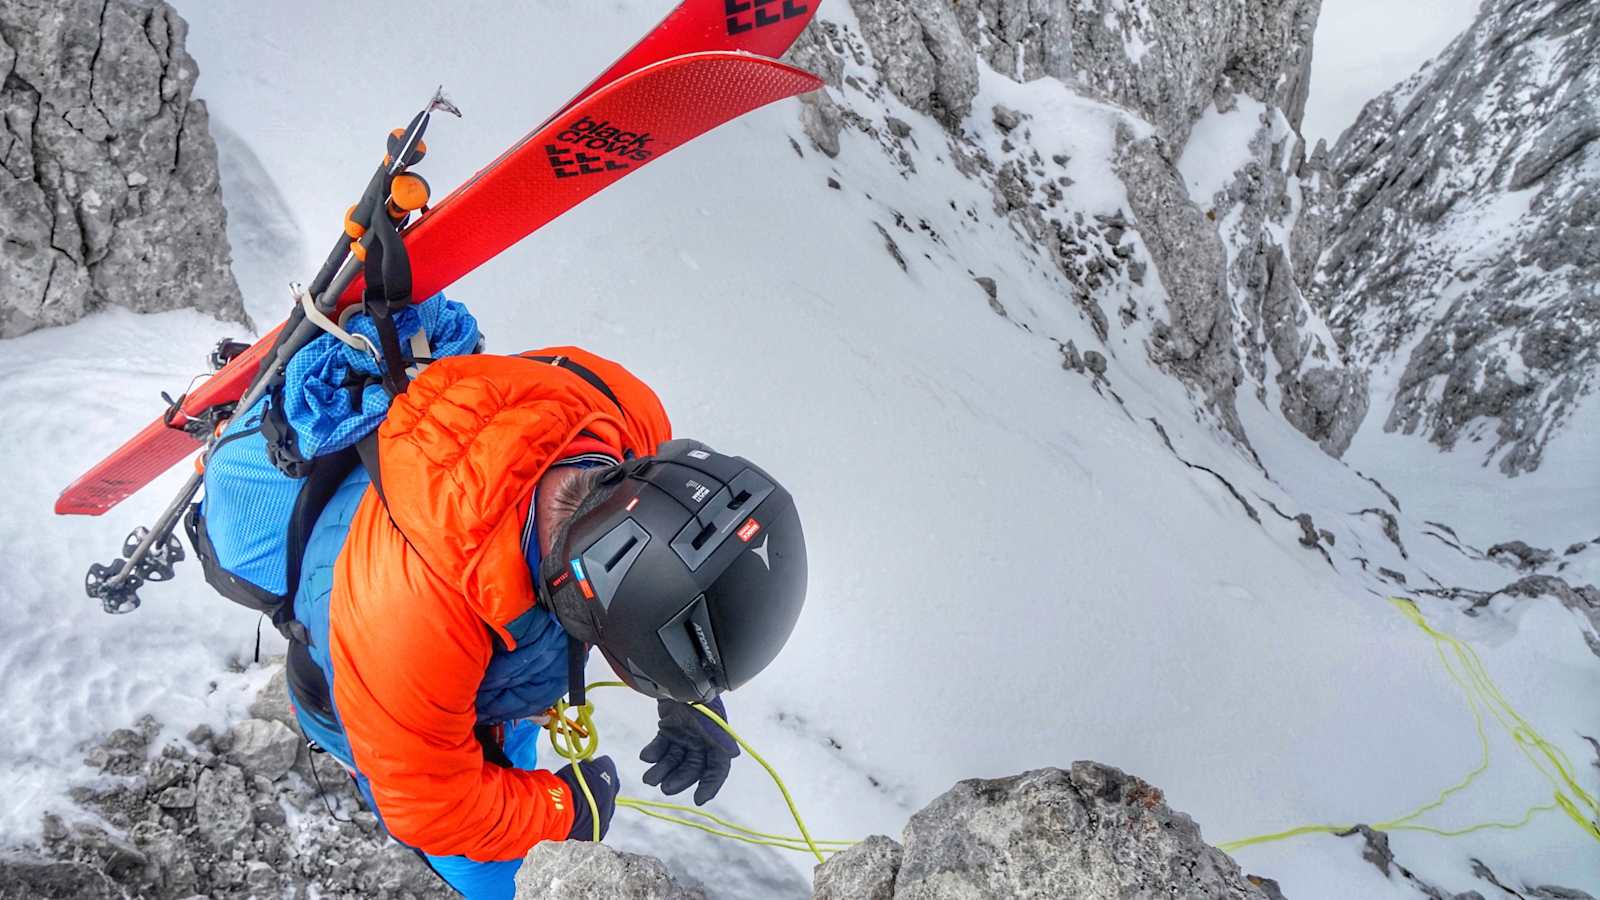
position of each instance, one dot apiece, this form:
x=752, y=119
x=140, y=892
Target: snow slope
x=1010, y=569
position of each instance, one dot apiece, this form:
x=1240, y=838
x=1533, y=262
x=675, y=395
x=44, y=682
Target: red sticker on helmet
x=748, y=530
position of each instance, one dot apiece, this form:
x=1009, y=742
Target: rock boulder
x=109, y=191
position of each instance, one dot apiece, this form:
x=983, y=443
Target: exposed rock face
x=1171, y=60
x=1092, y=832
x=925, y=59
x=1165, y=59
x=264, y=748
x=186, y=822
x=866, y=871
x=1462, y=247
x=1214, y=224
x=1197, y=340
x=108, y=175
x=579, y=870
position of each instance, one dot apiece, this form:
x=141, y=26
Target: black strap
x=595, y=381
x=490, y=736
x=283, y=444
x=577, y=655
x=388, y=271
x=367, y=449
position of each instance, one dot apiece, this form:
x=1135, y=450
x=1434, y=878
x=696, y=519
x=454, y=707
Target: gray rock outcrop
x=579, y=870
x=222, y=807
x=1197, y=340
x=1446, y=244
x=263, y=747
x=1165, y=59
x=1460, y=250
x=108, y=175
x=180, y=821
x=1228, y=307
x=1092, y=832
x=866, y=871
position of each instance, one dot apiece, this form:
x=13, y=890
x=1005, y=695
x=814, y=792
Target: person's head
x=687, y=569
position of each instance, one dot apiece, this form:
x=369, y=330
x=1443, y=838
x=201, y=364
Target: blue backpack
x=276, y=465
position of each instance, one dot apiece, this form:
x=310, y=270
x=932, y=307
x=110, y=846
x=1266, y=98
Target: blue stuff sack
x=275, y=465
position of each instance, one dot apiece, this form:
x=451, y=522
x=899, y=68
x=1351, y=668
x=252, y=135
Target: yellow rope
x=643, y=805
x=565, y=736
x=736, y=832
x=1467, y=670
x=577, y=739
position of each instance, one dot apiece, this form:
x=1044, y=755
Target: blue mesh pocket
x=248, y=505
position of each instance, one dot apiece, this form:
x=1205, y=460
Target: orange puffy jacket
x=428, y=578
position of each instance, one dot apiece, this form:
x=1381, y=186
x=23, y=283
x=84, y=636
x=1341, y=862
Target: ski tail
x=163, y=443
x=154, y=450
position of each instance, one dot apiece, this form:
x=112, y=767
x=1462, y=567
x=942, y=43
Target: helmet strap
x=577, y=653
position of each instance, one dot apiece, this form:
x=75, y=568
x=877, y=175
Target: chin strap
x=576, y=654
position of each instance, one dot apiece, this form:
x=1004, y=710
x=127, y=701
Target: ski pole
x=115, y=592
x=342, y=266
x=406, y=149
x=116, y=584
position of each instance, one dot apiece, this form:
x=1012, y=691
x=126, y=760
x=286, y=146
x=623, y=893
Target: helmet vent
x=609, y=559
x=705, y=534
x=622, y=553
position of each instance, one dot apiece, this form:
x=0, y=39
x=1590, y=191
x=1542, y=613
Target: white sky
x=1365, y=47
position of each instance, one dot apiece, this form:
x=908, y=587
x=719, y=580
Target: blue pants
x=474, y=880
x=493, y=880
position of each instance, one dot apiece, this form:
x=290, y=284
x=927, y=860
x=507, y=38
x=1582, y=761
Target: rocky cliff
x=247, y=813
x=1439, y=263
x=1091, y=832
x=1460, y=254
x=108, y=175
x=1194, y=260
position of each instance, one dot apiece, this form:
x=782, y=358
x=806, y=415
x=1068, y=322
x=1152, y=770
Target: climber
x=527, y=508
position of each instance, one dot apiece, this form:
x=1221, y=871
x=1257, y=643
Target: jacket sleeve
x=405, y=688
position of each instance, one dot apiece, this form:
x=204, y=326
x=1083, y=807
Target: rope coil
x=577, y=739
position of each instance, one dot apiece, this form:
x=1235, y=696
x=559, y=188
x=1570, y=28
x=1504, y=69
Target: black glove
x=689, y=748
x=601, y=775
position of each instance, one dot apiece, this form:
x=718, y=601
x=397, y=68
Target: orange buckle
x=408, y=192
x=352, y=228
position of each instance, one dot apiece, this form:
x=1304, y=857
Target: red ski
x=618, y=125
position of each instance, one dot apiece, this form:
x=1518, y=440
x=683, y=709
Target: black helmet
x=687, y=569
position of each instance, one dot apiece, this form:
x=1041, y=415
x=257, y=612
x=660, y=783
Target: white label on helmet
x=699, y=454
x=701, y=492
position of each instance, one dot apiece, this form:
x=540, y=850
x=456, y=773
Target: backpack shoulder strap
x=582, y=371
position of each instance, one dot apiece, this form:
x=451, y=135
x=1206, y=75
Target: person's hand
x=689, y=749
x=600, y=774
